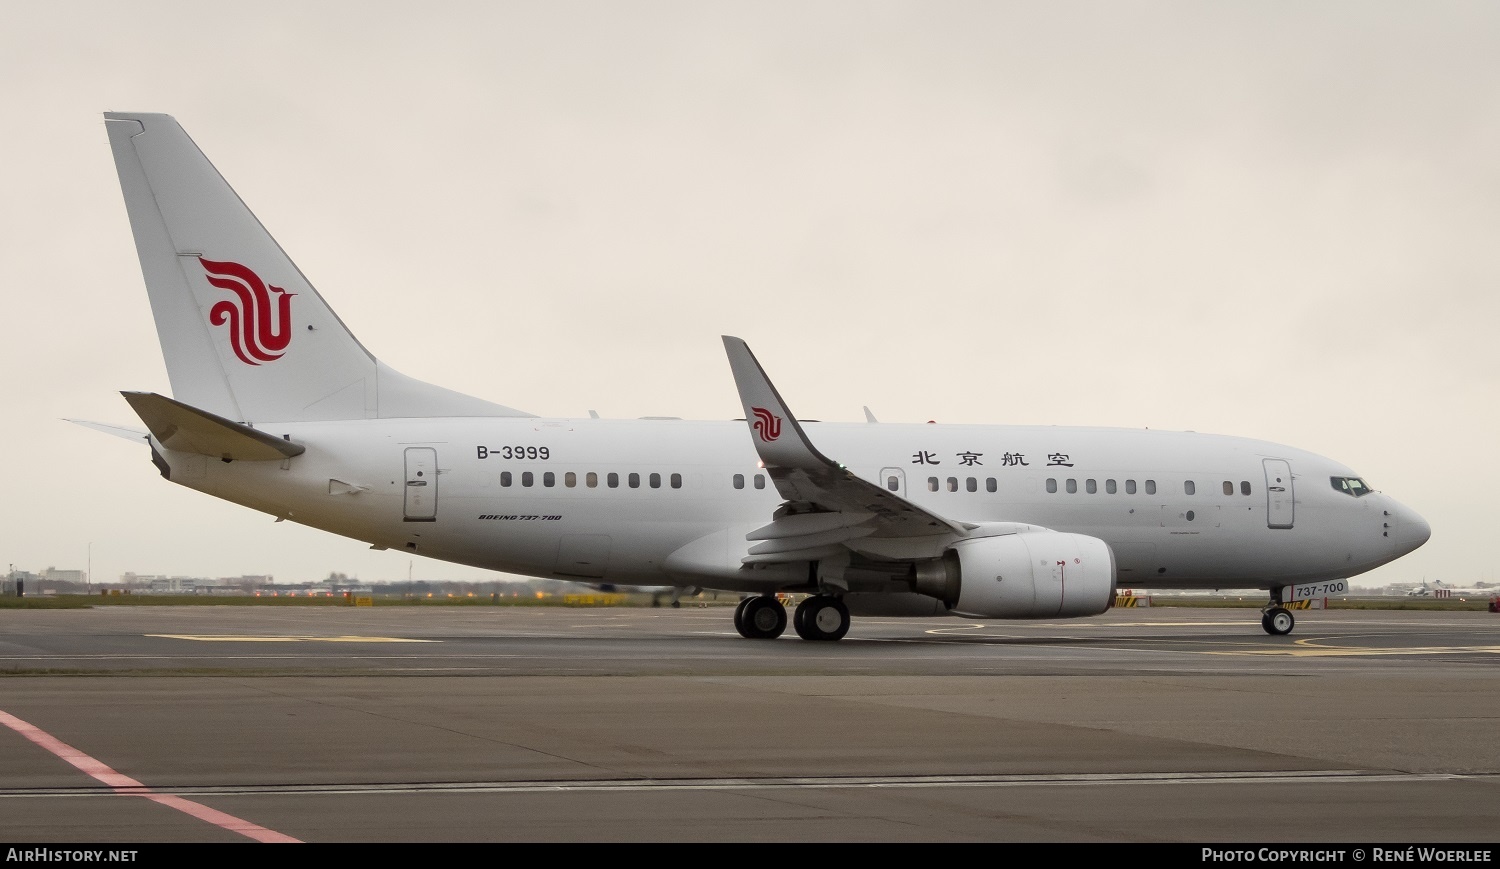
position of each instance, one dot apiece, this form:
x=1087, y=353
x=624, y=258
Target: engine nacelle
x=1036, y=575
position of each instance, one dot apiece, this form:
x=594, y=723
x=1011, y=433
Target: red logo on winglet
x=767, y=424
x=259, y=329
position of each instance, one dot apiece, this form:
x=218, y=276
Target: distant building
x=172, y=584
x=22, y=580
x=52, y=574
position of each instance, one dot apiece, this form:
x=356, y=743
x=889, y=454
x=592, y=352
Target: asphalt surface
x=546, y=724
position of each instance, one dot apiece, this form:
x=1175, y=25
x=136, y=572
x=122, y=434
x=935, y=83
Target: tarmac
x=186, y=724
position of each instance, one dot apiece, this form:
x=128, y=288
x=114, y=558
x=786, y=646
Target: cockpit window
x=1350, y=486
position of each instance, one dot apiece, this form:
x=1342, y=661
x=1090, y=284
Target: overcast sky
x=1276, y=220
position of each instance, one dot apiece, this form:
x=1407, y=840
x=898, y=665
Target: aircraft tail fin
x=244, y=334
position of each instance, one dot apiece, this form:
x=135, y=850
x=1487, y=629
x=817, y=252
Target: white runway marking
x=1346, y=776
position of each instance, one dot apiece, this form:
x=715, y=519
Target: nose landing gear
x=1276, y=619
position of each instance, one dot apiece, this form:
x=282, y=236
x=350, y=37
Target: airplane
x=276, y=406
x=672, y=593
x=1440, y=589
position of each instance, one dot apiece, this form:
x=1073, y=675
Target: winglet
x=778, y=437
x=803, y=474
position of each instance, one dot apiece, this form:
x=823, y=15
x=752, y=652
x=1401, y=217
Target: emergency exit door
x=421, y=484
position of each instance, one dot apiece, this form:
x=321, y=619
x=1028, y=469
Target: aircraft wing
x=826, y=505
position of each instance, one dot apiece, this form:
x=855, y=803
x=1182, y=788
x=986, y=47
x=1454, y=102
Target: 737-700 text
x=1309, y=590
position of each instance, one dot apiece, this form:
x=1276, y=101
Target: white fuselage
x=515, y=495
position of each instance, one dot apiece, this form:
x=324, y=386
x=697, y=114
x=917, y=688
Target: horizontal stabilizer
x=187, y=429
x=119, y=431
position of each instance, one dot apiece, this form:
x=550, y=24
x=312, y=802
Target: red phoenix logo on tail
x=259, y=329
x=767, y=424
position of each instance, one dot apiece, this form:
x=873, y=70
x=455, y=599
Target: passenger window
x=1244, y=487
x=760, y=481
x=677, y=481
x=570, y=479
x=1150, y=487
x=656, y=481
x=549, y=479
x=1130, y=487
x=893, y=483
x=1072, y=487
x=932, y=484
x=971, y=484
x=1188, y=488
x=1052, y=485
x=527, y=479
x=635, y=480
x=953, y=484
x=593, y=480
x=739, y=481
x=505, y=478
x=989, y=484
x=1092, y=487
x=1109, y=487
x=614, y=480
x=1228, y=487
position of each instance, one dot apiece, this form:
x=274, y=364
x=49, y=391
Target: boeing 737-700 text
x=277, y=407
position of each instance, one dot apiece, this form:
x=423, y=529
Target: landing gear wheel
x=760, y=618
x=1277, y=621
x=821, y=618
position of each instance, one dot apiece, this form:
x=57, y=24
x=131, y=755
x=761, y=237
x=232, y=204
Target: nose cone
x=1408, y=530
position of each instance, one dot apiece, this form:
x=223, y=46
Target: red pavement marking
x=127, y=786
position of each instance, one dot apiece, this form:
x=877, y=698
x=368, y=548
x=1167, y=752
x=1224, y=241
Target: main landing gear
x=820, y=617
x=1276, y=619
x=760, y=618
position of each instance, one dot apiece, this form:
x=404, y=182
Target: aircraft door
x=421, y=484
x=894, y=480
x=1280, y=504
